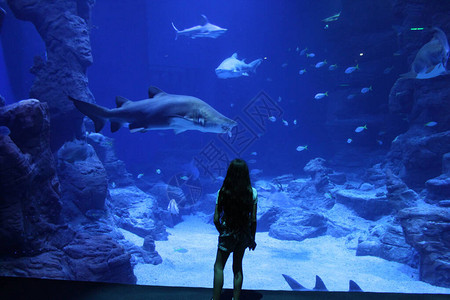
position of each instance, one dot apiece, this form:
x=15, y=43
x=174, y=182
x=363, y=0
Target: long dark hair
x=236, y=195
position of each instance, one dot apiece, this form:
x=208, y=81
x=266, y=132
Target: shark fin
x=94, y=112
x=206, y=19
x=254, y=64
x=295, y=286
x=121, y=101
x=320, y=286
x=115, y=126
x=354, y=287
x=234, y=55
x=140, y=129
x=153, y=91
x=176, y=35
x=179, y=130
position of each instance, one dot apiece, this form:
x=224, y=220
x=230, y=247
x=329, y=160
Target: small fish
x=180, y=250
x=332, y=67
x=328, y=195
x=254, y=153
x=284, y=65
x=231, y=104
x=366, y=89
x=311, y=55
x=320, y=95
x=361, y=128
x=285, y=123
x=396, y=139
x=301, y=148
x=158, y=171
x=349, y=141
x=325, y=27
x=380, y=142
x=279, y=99
x=4, y=130
x=220, y=178
x=251, y=161
x=351, y=96
x=113, y=185
x=272, y=119
x=297, y=49
x=184, y=177
x=140, y=175
x=303, y=52
x=351, y=69
x=295, y=122
x=301, y=72
x=173, y=207
x=431, y=124
x=333, y=18
x=321, y=64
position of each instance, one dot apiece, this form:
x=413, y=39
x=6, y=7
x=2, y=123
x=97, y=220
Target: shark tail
x=410, y=74
x=254, y=64
x=94, y=112
x=177, y=31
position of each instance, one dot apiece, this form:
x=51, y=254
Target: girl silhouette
x=235, y=219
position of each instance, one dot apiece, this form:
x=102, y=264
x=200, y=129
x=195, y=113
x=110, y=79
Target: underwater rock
x=135, y=210
x=427, y=229
x=338, y=178
x=94, y=255
x=366, y=186
x=319, y=173
x=398, y=192
x=416, y=156
x=375, y=175
x=82, y=176
x=306, y=196
x=388, y=242
x=370, y=205
x=446, y=163
x=267, y=219
x=141, y=254
x=297, y=224
x=30, y=188
x=115, y=168
x=438, y=188
x=64, y=27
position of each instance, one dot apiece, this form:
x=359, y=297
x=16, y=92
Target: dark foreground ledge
x=32, y=288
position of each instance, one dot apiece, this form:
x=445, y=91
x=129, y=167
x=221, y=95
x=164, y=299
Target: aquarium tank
x=118, y=121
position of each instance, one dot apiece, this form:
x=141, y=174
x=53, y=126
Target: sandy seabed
x=328, y=257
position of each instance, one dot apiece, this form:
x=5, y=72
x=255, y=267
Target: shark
x=431, y=59
x=319, y=286
x=232, y=67
x=206, y=30
x=160, y=111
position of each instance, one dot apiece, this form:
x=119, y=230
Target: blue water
x=134, y=47
x=128, y=61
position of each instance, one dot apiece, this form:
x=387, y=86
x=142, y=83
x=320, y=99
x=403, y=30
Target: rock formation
x=64, y=26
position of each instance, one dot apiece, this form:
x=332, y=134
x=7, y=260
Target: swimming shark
x=319, y=286
x=431, y=60
x=233, y=67
x=205, y=30
x=159, y=112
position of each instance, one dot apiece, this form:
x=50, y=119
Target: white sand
x=325, y=256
